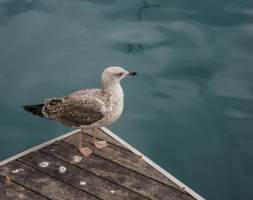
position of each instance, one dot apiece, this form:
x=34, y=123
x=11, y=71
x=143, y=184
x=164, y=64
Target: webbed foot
x=85, y=151
x=100, y=144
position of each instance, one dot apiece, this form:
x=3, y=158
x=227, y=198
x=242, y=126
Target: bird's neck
x=115, y=89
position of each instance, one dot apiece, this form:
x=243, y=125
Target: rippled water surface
x=191, y=107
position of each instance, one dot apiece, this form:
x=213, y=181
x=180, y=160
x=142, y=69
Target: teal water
x=191, y=107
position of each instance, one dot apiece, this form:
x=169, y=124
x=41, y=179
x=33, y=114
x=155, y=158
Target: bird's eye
x=119, y=74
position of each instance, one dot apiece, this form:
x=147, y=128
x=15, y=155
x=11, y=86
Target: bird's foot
x=100, y=144
x=85, y=151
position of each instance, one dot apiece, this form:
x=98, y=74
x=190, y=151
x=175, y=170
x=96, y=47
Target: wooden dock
x=56, y=170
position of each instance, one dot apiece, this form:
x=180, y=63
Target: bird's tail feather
x=35, y=109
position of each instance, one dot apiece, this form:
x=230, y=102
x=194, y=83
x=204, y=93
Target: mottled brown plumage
x=81, y=108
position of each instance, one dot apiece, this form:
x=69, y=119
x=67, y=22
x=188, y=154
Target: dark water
x=190, y=109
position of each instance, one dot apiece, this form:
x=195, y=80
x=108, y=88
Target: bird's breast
x=115, y=104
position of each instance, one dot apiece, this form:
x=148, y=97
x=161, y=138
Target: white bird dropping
x=62, y=169
x=15, y=171
x=44, y=164
x=83, y=183
x=77, y=159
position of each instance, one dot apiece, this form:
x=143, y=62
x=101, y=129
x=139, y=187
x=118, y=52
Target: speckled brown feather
x=80, y=108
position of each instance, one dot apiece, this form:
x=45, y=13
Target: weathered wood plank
x=93, y=184
x=117, y=174
x=123, y=158
x=102, y=136
x=12, y=191
x=41, y=183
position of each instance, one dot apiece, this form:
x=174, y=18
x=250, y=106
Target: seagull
x=88, y=109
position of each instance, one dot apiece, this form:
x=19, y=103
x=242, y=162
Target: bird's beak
x=130, y=73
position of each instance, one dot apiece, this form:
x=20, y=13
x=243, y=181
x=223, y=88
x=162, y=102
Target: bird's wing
x=75, y=110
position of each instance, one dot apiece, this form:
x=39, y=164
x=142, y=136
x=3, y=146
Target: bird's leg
x=86, y=151
x=98, y=144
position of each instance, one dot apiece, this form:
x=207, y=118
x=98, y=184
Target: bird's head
x=115, y=74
